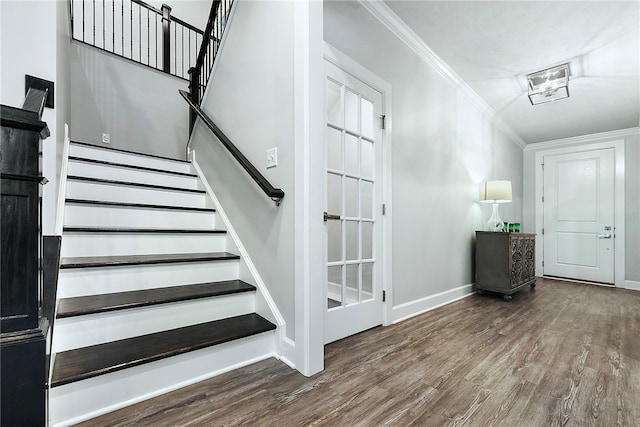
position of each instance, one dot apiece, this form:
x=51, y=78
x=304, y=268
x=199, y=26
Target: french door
x=353, y=204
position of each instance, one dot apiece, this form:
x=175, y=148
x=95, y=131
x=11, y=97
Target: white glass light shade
x=495, y=192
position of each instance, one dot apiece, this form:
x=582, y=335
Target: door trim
x=619, y=199
x=345, y=63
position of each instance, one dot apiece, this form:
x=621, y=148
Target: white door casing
x=579, y=215
x=354, y=239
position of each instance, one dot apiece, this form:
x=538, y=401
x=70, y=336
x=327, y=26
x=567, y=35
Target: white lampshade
x=495, y=192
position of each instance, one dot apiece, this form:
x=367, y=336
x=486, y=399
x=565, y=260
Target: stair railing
x=138, y=32
x=276, y=194
x=199, y=74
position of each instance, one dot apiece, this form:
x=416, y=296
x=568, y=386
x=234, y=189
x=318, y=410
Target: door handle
x=604, y=236
x=328, y=216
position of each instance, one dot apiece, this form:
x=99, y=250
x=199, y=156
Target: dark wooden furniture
x=23, y=327
x=505, y=262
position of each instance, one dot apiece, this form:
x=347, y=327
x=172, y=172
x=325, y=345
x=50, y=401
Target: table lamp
x=495, y=192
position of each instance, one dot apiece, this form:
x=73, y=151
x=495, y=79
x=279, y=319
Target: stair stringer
x=62, y=189
x=62, y=195
x=264, y=303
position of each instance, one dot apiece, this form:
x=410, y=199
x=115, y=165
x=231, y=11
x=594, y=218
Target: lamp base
x=495, y=223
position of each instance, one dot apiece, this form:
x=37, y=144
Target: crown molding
x=582, y=139
x=400, y=29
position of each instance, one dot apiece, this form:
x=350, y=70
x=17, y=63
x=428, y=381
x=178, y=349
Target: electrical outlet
x=272, y=157
x=106, y=138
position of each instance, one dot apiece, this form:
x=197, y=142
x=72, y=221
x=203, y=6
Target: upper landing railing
x=139, y=32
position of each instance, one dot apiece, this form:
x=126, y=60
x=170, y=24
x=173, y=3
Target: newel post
x=166, y=38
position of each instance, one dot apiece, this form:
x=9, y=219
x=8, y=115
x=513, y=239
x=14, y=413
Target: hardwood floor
x=562, y=354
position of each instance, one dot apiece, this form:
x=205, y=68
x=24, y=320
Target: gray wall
x=251, y=99
x=442, y=149
x=632, y=199
x=63, y=82
x=139, y=107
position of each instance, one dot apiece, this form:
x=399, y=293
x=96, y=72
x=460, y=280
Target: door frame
x=618, y=194
x=348, y=65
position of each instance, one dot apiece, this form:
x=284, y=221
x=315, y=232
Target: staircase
x=149, y=299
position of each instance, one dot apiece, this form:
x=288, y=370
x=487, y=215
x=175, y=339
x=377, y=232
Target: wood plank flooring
x=564, y=354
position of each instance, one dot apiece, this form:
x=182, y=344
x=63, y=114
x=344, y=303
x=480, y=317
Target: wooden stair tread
x=79, y=364
x=112, y=261
x=78, y=306
x=135, y=205
x=135, y=153
x=140, y=230
x=124, y=165
x=134, y=184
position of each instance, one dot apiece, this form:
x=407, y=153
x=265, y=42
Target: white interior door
x=579, y=229
x=353, y=203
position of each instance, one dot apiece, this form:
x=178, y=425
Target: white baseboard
x=632, y=284
x=413, y=308
x=288, y=352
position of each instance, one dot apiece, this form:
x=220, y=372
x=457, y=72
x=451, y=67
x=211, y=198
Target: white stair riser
x=96, y=170
x=115, y=216
x=127, y=159
x=83, y=331
x=130, y=194
x=91, y=244
x=72, y=403
x=75, y=282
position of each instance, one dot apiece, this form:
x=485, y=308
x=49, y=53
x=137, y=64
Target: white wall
x=251, y=100
x=32, y=34
x=139, y=107
x=632, y=193
x=443, y=147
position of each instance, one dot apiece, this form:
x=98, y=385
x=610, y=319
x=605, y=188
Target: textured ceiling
x=493, y=45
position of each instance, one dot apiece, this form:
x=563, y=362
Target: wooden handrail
x=276, y=194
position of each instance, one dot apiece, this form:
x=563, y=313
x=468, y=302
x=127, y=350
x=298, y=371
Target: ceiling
x=493, y=45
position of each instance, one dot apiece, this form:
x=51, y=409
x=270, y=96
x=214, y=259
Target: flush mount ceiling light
x=549, y=85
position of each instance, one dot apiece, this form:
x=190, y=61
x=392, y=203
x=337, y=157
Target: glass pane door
x=350, y=154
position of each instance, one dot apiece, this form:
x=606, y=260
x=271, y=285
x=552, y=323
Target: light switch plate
x=272, y=157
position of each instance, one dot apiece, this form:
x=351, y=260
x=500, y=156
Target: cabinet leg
x=533, y=285
x=507, y=297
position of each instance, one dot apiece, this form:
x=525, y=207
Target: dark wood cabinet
x=23, y=328
x=505, y=262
